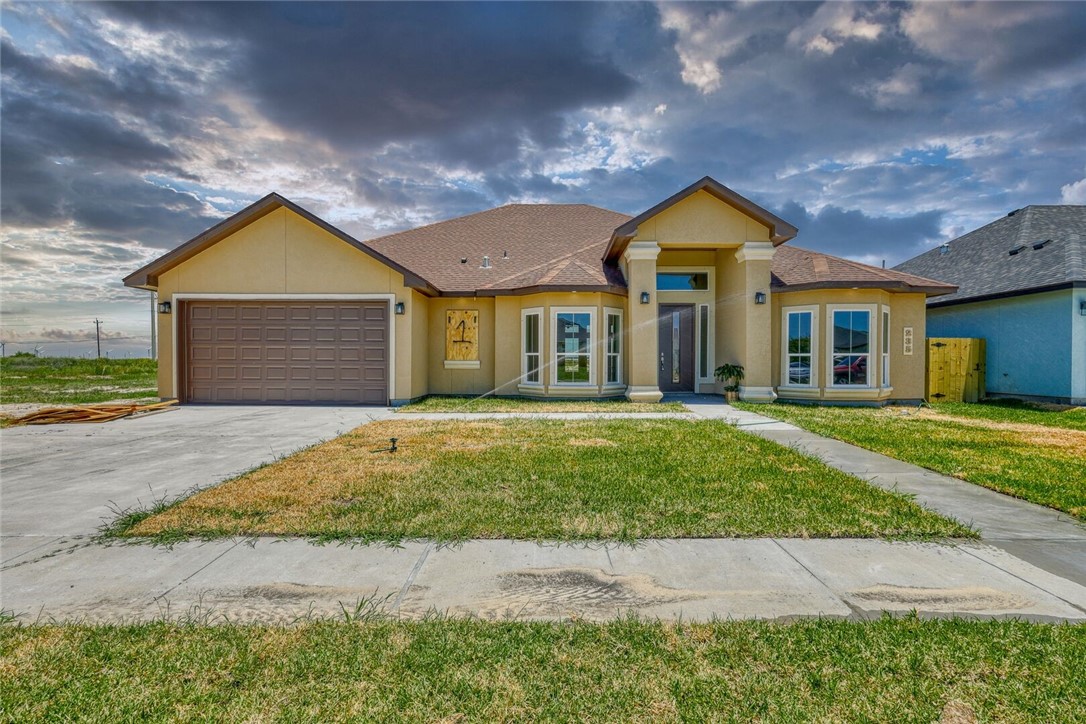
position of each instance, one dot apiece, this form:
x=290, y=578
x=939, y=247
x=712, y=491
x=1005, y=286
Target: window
x=885, y=337
x=851, y=339
x=682, y=281
x=703, y=341
x=613, y=363
x=531, y=324
x=800, y=356
x=573, y=346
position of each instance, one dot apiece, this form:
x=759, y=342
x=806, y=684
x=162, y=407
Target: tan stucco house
x=542, y=300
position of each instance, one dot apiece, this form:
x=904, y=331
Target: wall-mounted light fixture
x=644, y=297
x=759, y=297
x=399, y=308
x=165, y=307
x=1082, y=307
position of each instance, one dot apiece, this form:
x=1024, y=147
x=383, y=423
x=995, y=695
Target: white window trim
x=540, y=339
x=593, y=341
x=872, y=342
x=885, y=353
x=711, y=346
x=785, y=311
x=390, y=298
x=613, y=311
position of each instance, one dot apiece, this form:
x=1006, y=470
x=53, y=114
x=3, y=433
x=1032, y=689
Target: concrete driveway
x=60, y=481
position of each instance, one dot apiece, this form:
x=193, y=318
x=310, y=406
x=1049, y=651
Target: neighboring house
x=1022, y=287
x=543, y=300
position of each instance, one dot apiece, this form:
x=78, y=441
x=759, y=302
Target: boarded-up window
x=462, y=335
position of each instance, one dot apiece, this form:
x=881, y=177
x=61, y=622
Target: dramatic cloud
x=877, y=128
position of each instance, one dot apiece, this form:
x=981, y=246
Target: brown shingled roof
x=795, y=269
x=549, y=247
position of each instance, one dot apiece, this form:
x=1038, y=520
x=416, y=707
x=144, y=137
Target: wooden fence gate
x=955, y=369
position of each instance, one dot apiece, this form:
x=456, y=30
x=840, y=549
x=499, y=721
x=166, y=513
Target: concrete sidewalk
x=280, y=581
x=1045, y=537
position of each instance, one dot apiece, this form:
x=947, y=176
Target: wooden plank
x=462, y=335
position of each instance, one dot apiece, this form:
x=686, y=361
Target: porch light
x=644, y=297
x=1082, y=307
x=759, y=297
x=164, y=307
x=399, y=308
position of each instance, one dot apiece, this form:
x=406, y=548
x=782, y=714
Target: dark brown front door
x=289, y=351
x=676, y=326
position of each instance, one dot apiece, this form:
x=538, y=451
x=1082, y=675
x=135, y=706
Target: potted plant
x=732, y=375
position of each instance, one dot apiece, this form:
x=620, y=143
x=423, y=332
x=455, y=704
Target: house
x=540, y=300
x=1022, y=287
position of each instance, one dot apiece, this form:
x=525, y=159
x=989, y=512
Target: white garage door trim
x=390, y=298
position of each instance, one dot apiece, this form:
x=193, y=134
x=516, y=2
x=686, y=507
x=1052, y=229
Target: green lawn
x=516, y=404
x=25, y=378
x=893, y=670
x=546, y=480
x=1019, y=449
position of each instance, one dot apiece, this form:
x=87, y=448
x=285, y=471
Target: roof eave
x=889, y=286
x=1074, y=284
x=539, y=289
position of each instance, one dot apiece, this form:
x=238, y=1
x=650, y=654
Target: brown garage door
x=252, y=352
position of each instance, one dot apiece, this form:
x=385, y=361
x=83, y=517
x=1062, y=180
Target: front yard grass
x=25, y=378
x=1030, y=452
x=900, y=670
x=545, y=480
x=519, y=404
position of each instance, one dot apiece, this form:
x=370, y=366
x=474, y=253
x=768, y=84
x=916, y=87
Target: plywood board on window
x=462, y=335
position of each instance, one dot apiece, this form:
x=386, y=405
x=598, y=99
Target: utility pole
x=98, y=336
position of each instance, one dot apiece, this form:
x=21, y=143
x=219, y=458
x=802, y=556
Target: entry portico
x=722, y=244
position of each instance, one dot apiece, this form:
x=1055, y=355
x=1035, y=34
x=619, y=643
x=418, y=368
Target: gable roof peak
x=780, y=230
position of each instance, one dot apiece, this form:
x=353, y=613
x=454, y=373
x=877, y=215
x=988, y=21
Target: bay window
x=532, y=338
x=850, y=341
x=573, y=346
x=613, y=351
x=800, y=355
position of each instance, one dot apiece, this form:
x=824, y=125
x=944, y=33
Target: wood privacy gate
x=955, y=369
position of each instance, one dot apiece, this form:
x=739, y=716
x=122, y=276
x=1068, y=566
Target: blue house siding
x=1036, y=342
x=1078, y=347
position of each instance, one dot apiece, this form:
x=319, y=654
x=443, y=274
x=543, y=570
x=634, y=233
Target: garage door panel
x=252, y=352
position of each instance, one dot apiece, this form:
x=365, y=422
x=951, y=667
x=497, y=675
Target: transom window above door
x=682, y=281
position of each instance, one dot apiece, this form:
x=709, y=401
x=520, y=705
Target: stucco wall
x=1031, y=341
x=701, y=219
x=282, y=253
x=907, y=372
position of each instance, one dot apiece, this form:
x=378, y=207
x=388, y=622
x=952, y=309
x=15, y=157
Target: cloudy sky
x=878, y=129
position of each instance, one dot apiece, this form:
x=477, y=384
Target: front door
x=676, y=325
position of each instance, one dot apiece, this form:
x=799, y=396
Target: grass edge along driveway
x=892, y=669
x=1029, y=452
x=553, y=480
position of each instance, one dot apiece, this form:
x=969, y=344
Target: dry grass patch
x=547, y=479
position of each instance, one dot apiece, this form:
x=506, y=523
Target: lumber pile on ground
x=89, y=413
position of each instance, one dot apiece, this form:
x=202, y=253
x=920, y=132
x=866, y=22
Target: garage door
x=275, y=352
